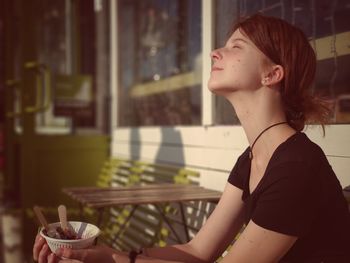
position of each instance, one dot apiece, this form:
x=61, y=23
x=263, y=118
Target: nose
x=215, y=54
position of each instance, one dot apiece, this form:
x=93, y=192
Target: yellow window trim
x=177, y=82
x=325, y=49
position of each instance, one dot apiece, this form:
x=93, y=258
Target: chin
x=222, y=91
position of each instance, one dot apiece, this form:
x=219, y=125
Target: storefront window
x=159, y=62
x=325, y=23
x=76, y=57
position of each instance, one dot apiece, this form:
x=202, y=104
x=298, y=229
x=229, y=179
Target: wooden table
x=101, y=198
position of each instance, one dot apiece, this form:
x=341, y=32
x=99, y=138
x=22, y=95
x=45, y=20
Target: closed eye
x=232, y=46
x=236, y=43
x=236, y=46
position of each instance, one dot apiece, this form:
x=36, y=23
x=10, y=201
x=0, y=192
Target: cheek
x=249, y=67
x=240, y=64
x=236, y=66
x=236, y=62
x=247, y=72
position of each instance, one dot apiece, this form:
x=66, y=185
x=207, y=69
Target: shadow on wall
x=170, y=152
x=135, y=144
x=170, y=149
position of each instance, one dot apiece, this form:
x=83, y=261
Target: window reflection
x=325, y=23
x=159, y=60
x=72, y=40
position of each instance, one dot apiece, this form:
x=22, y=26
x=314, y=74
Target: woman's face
x=236, y=66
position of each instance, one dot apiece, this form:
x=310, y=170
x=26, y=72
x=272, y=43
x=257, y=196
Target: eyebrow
x=238, y=39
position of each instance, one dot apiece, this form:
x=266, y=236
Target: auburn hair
x=287, y=45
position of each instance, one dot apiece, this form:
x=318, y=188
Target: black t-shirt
x=299, y=195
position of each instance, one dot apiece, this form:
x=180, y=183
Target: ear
x=274, y=76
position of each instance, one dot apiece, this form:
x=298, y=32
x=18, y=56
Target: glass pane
x=72, y=40
x=325, y=23
x=52, y=33
x=160, y=62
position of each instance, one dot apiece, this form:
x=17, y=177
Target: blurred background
x=84, y=80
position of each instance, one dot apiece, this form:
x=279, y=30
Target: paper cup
x=85, y=231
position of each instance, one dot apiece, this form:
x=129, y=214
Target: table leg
x=124, y=224
x=99, y=216
x=168, y=223
x=81, y=212
x=184, y=221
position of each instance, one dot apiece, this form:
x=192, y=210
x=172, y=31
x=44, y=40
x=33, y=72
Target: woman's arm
x=209, y=243
x=265, y=246
x=214, y=237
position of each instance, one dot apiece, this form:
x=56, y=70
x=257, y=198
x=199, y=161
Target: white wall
x=213, y=150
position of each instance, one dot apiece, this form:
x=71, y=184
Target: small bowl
x=87, y=233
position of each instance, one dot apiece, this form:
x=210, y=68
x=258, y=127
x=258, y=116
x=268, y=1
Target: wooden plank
x=147, y=194
x=154, y=200
x=143, y=193
x=85, y=191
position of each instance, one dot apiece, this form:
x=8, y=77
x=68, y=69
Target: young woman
x=282, y=187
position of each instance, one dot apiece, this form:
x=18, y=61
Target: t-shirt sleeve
x=237, y=176
x=289, y=203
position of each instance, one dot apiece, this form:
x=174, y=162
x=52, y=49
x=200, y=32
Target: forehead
x=238, y=35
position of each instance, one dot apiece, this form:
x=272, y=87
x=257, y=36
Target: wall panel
x=214, y=150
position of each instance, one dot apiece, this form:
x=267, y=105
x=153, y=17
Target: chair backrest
x=146, y=227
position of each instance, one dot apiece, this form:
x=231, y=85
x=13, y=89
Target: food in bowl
x=67, y=234
x=86, y=235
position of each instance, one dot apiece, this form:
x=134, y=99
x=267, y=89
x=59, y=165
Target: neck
x=258, y=110
x=262, y=133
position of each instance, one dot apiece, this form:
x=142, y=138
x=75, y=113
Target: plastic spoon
x=62, y=214
x=50, y=232
x=68, y=232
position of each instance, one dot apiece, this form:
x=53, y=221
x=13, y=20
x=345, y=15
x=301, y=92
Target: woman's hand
x=90, y=255
x=120, y=257
x=42, y=252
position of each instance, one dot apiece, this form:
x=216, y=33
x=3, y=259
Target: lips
x=216, y=69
